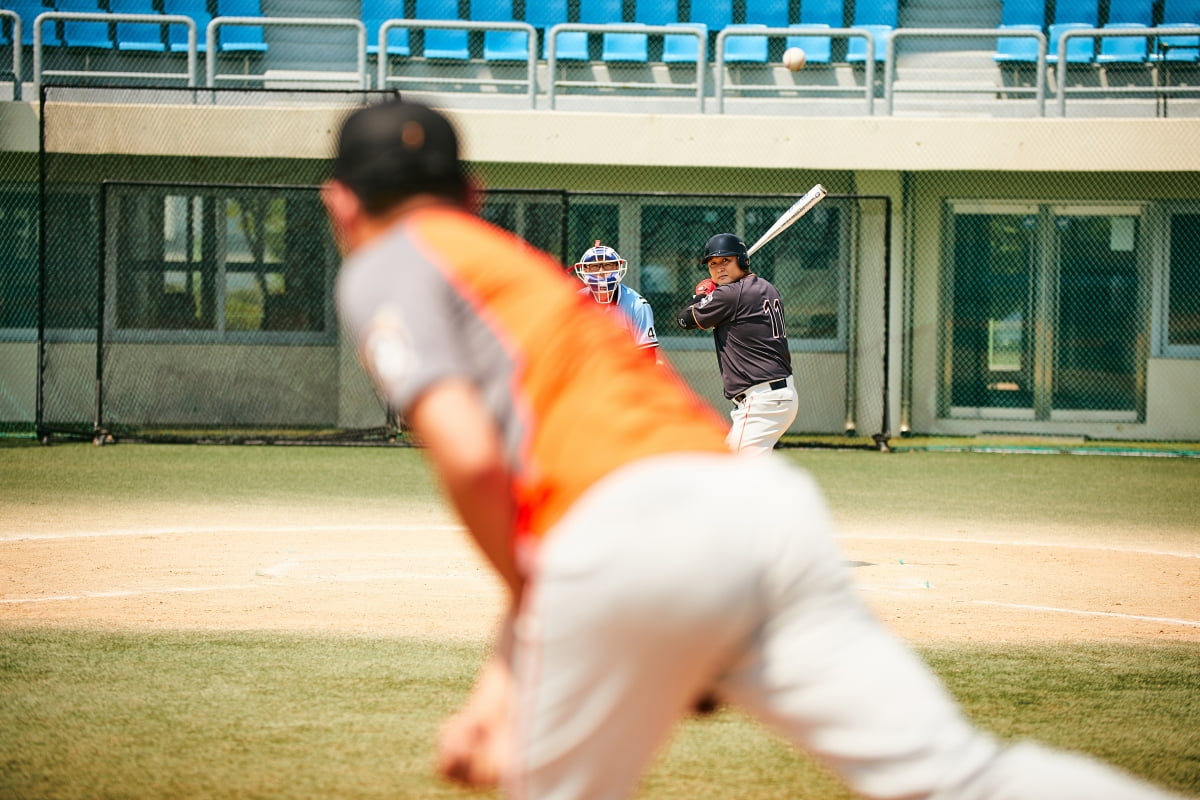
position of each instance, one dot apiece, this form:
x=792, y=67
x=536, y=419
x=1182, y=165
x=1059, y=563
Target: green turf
x=89, y=713
x=235, y=715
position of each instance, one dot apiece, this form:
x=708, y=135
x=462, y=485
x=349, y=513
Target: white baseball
x=794, y=58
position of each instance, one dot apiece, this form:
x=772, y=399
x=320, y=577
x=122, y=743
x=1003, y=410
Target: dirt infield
x=376, y=572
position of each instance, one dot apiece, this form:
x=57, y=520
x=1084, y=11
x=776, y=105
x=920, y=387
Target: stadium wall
x=923, y=165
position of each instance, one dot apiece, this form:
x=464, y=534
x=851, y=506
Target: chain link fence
x=187, y=294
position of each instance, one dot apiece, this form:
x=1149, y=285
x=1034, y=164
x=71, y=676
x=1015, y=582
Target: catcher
x=602, y=269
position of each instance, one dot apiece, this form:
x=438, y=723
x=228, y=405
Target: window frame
x=220, y=333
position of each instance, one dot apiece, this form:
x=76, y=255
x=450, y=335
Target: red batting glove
x=704, y=287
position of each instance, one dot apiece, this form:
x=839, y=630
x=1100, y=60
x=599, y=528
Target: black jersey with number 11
x=751, y=339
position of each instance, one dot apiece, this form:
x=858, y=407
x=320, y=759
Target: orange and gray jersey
x=445, y=295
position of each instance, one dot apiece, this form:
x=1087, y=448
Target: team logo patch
x=706, y=300
x=387, y=350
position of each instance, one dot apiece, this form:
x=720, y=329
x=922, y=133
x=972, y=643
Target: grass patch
x=236, y=715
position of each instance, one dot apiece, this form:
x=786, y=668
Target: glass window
x=18, y=259
x=1183, y=287
x=234, y=262
x=673, y=237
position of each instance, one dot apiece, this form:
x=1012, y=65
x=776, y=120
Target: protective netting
x=187, y=293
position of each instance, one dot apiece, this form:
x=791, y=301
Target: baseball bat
x=789, y=217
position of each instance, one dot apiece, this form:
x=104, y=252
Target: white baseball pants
x=762, y=417
x=652, y=591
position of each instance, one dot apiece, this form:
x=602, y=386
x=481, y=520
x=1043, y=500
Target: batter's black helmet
x=726, y=244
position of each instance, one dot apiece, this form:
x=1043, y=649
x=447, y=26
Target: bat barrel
x=789, y=217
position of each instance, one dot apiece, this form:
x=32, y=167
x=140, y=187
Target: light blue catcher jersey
x=636, y=313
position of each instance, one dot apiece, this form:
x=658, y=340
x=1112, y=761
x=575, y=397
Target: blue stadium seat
x=1073, y=15
x=880, y=19
x=1086, y=12
x=683, y=49
x=92, y=35
x=818, y=14
x=1139, y=12
x=772, y=13
x=544, y=15
x=708, y=17
x=745, y=49
x=443, y=44
x=883, y=12
x=823, y=12
x=1017, y=50
x=1123, y=49
x=1184, y=49
x=1177, y=14
x=500, y=45
x=1079, y=51
x=856, y=49
x=1023, y=12
x=28, y=12
x=635, y=46
x=177, y=34
x=377, y=12
x=817, y=49
x=137, y=36
x=240, y=38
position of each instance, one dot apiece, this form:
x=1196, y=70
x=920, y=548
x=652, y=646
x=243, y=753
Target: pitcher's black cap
x=393, y=150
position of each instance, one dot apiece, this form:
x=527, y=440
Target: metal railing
x=17, y=32
x=553, y=81
x=216, y=23
x=1158, y=90
x=833, y=33
x=1038, y=90
x=79, y=16
x=530, y=80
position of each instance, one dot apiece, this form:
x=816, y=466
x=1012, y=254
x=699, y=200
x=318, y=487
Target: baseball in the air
x=794, y=58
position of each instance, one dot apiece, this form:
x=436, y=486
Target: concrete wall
x=918, y=163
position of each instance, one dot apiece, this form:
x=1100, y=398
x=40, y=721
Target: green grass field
x=94, y=712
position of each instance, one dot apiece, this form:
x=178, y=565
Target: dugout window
x=1182, y=285
x=221, y=264
x=18, y=263
x=1044, y=312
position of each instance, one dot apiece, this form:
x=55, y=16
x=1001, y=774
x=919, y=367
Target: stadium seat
x=1073, y=15
x=1017, y=49
x=1023, y=13
x=817, y=49
x=772, y=13
x=683, y=49
x=1179, y=14
x=1123, y=49
x=177, y=34
x=1079, y=51
x=1185, y=49
x=880, y=19
x=635, y=46
x=500, y=45
x=240, y=38
x=707, y=17
x=28, y=12
x=544, y=15
x=823, y=12
x=818, y=14
x=92, y=35
x=1077, y=11
x=745, y=49
x=440, y=43
x=137, y=36
x=377, y=12
x=856, y=50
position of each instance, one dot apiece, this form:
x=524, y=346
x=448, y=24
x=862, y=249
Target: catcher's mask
x=601, y=269
x=726, y=244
